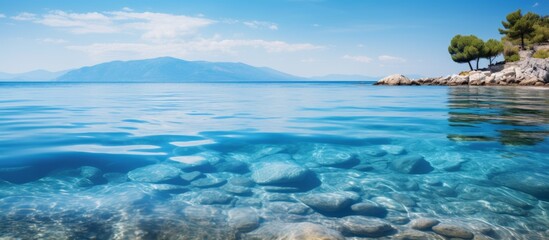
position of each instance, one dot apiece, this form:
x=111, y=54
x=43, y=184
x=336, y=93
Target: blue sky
x=301, y=37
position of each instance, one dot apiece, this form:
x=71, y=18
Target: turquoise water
x=252, y=160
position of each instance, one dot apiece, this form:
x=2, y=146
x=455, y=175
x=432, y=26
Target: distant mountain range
x=37, y=75
x=169, y=69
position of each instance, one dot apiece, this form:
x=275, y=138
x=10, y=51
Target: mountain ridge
x=170, y=69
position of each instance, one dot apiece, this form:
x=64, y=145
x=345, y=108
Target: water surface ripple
x=272, y=161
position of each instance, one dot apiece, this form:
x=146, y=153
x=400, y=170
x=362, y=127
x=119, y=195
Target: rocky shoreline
x=528, y=72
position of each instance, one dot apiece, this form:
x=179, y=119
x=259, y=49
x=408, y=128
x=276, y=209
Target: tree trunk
x=522, y=42
x=477, y=63
x=471, y=67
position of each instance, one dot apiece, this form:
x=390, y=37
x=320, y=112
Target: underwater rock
x=191, y=176
x=241, y=181
x=503, y=208
x=154, y=173
x=281, y=189
x=397, y=218
x=365, y=227
x=289, y=208
x=416, y=235
x=328, y=202
x=208, y=182
x=404, y=199
x=294, y=231
x=115, y=177
x=210, y=197
x=453, y=231
x=374, y=152
x=95, y=175
x=237, y=190
x=333, y=157
x=389, y=203
x=369, y=209
x=233, y=166
x=412, y=164
x=204, y=215
x=197, y=161
x=533, y=183
x=393, y=149
x=424, y=224
x=243, y=219
x=274, y=173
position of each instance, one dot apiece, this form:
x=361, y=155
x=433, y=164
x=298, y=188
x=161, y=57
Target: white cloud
x=25, y=16
x=92, y=22
x=535, y=4
x=182, y=48
x=362, y=59
x=149, y=24
x=261, y=24
x=52, y=40
x=308, y=60
x=2, y=15
x=127, y=9
x=161, y=25
x=391, y=59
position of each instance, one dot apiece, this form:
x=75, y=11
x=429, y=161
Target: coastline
x=527, y=72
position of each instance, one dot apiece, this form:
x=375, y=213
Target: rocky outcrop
x=527, y=72
x=395, y=79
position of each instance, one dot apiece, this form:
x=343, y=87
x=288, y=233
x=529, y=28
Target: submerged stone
x=233, y=166
x=208, y=182
x=333, y=157
x=369, y=209
x=190, y=176
x=95, y=175
x=241, y=181
x=282, y=189
x=393, y=149
x=237, y=190
x=204, y=215
x=424, y=224
x=210, y=197
x=416, y=235
x=412, y=164
x=365, y=227
x=154, y=173
x=328, y=202
x=295, y=231
x=243, y=219
x=274, y=173
x=453, y=231
x=289, y=208
x=533, y=183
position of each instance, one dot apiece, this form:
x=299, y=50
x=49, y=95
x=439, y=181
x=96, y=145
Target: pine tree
x=492, y=48
x=519, y=27
x=465, y=49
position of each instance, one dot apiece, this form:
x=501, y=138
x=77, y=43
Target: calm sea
x=271, y=161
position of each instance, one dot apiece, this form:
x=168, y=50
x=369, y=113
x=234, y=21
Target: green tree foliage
x=510, y=52
x=492, y=49
x=465, y=49
x=541, y=30
x=519, y=27
x=542, y=53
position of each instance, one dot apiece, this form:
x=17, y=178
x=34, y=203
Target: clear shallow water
x=241, y=161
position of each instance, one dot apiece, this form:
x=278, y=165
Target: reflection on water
x=272, y=161
x=512, y=116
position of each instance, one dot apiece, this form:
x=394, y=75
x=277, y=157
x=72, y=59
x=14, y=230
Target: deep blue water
x=250, y=160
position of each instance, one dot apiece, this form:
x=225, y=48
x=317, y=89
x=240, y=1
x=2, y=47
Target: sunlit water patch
x=273, y=161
